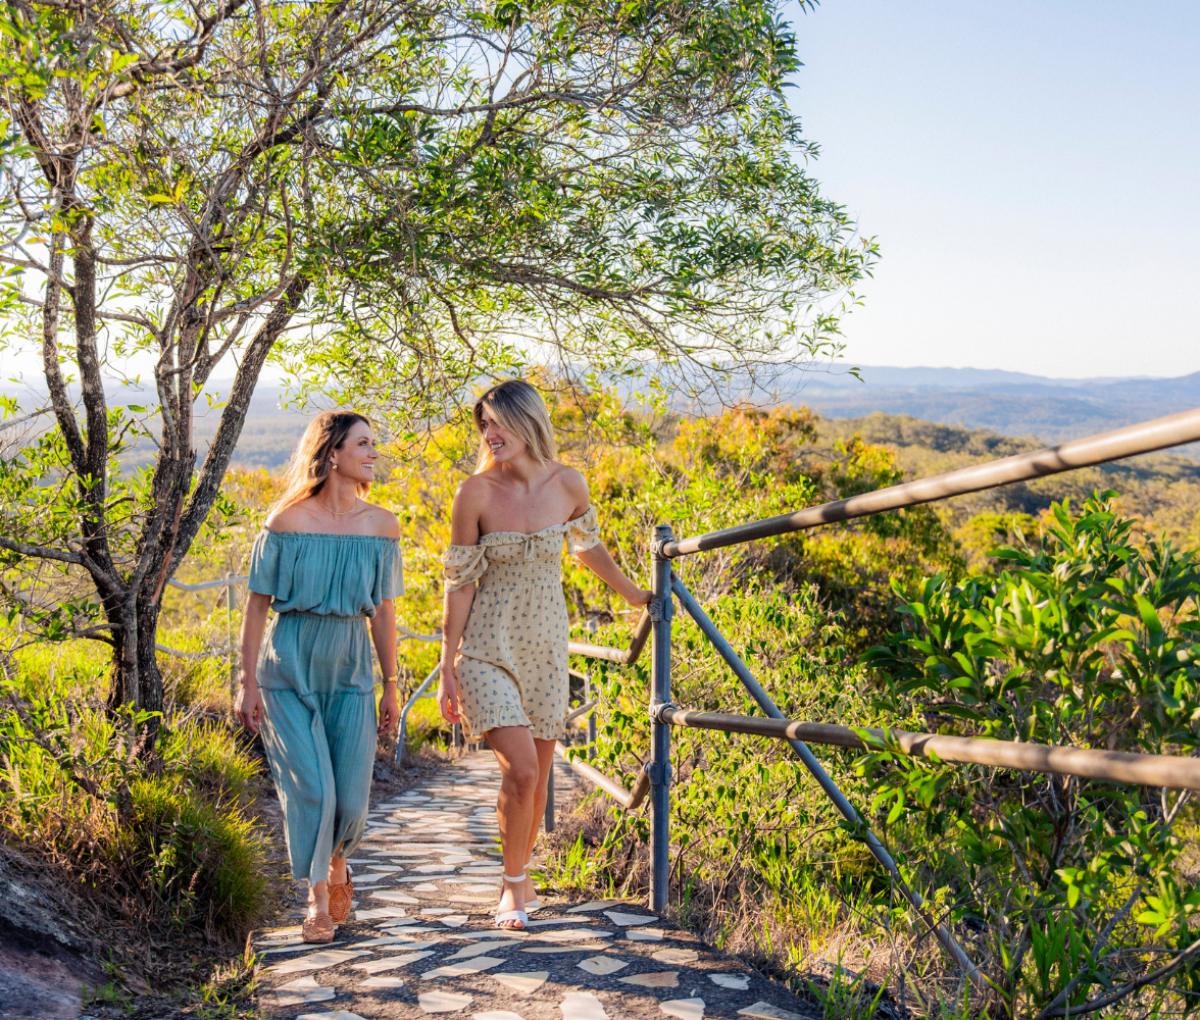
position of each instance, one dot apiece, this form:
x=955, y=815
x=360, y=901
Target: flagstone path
x=421, y=940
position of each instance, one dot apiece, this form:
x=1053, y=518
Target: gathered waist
x=299, y=613
x=520, y=573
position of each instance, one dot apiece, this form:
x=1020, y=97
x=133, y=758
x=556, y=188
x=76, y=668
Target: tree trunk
x=135, y=680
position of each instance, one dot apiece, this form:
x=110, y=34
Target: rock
x=683, y=1009
x=655, y=979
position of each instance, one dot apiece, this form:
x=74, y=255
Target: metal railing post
x=549, y=818
x=660, y=733
x=840, y=801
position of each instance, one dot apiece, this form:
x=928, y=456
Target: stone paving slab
x=421, y=940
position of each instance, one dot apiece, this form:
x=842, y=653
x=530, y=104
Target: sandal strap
x=515, y=878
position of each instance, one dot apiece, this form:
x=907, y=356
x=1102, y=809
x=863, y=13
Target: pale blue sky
x=1031, y=171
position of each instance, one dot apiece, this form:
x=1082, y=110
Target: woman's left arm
x=598, y=559
x=383, y=633
x=600, y=562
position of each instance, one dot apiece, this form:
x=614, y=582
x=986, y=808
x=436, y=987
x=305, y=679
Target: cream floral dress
x=512, y=666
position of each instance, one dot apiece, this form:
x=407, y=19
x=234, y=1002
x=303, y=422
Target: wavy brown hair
x=309, y=466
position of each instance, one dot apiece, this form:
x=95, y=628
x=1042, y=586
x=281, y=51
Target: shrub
x=166, y=838
x=1084, y=639
x=200, y=859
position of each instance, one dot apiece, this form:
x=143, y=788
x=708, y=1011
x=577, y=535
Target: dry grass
x=848, y=956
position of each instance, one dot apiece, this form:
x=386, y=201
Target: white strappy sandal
x=513, y=915
x=535, y=903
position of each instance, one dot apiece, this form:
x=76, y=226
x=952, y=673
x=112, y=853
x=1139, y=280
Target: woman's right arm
x=456, y=609
x=249, y=705
x=464, y=530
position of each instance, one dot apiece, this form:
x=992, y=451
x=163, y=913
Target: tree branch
x=42, y=552
x=233, y=417
x=1117, y=994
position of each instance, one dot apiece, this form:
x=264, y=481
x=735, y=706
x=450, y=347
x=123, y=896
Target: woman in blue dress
x=328, y=563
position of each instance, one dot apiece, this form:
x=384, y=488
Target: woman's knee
x=522, y=777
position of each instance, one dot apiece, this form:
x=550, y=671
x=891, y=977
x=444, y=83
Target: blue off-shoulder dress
x=317, y=683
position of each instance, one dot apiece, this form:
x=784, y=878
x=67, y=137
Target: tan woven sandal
x=341, y=898
x=318, y=928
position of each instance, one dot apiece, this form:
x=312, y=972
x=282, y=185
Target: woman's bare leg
x=545, y=754
x=337, y=870
x=318, y=899
x=318, y=894
x=516, y=805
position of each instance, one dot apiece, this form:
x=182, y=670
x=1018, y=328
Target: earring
x=334, y=466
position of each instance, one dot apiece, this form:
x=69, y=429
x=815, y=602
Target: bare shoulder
x=297, y=517
x=473, y=490
x=574, y=485
x=571, y=479
x=380, y=522
x=469, y=501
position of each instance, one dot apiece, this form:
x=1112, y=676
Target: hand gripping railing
x=1156, y=770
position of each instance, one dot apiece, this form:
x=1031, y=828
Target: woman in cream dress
x=504, y=651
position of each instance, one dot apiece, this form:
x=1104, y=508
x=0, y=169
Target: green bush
x=201, y=860
x=166, y=836
x=1084, y=639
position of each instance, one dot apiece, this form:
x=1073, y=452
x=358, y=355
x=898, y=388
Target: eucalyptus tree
x=387, y=197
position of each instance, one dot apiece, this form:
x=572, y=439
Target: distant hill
x=1036, y=408
x=1011, y=403
x=267, y=438
x=1162, y=489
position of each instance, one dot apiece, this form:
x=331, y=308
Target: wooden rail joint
x=630, y=800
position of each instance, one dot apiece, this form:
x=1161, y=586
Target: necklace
x=339, y=513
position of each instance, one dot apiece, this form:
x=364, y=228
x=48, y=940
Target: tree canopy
x=389, y=198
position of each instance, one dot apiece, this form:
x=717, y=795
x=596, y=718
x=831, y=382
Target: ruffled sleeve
x=392, y=572
x=583, y=533
x=270, y=566
x=463, y=565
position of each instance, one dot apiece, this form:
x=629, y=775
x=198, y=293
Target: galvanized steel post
x=660, y=733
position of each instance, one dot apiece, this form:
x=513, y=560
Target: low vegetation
x=1067, y=623
x=172, y=854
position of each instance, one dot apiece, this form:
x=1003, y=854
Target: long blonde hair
x=309, y=466
x=518, y=407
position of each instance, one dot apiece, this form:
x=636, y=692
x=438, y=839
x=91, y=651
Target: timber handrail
x=630, y=800
x=1146, y=437
x=1175, y=773
x=624, y=656
x=221, y=582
